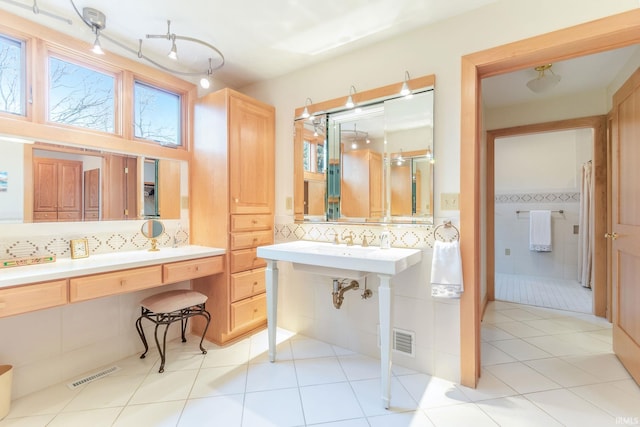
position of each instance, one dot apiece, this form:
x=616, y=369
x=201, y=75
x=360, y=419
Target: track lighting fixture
x=305, y=112
x=173, y=53
x=97, y=48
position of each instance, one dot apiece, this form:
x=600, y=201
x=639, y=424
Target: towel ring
x=446, y=224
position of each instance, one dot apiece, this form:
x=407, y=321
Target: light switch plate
x=449, y=201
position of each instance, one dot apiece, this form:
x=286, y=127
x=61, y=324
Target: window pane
x=156, y=115
x=11, y=76
x=306, y=153
x=80, y=96
x=321, y=155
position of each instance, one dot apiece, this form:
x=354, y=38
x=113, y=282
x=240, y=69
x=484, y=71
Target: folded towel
x=540, y=231
x=446, y=270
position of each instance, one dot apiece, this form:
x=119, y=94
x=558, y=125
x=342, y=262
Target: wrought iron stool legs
x=166, y=319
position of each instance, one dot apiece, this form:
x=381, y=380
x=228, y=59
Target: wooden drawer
x=185, y=270
x=69, y=216
x=251, y=239
x=247, y=284
x=245, y=259
x=100, y=285
x=91, y=216
x=251, y=222
x=45, y=216
x=23, y=299
x=250, y=310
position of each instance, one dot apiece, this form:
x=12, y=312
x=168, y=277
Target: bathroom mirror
x=152, y=229
x=98, y=185
x=368, y=164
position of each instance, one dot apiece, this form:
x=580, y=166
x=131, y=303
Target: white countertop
x=101, y=263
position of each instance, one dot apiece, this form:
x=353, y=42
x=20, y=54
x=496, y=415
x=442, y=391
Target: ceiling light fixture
x=404, y=91
x=97, y=48
x=305, y=112
x=544, y=81
x=350, y=103
x=96, y=21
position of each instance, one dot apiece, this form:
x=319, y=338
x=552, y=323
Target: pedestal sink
x=341, y=261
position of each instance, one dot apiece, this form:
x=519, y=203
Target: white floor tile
x=273, y=408
x=48, y=401
x=614, y=400
x=358, y=367
x=519, y=314
x=522, y=378
x=322, y=370
x=432, y=392
x=562, y=372
x=520, y=349
x=405, y=419
x=35, y=421
x=491, y=355
x=606, y=367
x=463, y=415
x=369, y=394
x=220, y=381
x=517, y=411
x=493, y=333
x=569, y=409
x=164, y=387
x=107, y=392
x=307, y=348
x=93, y=417
x=357, y=422
x=163, y=414
x=489, y=387
x=234, y=354
x=225, y=410
x=520, y=330
x=271, y=376
x=329, y=402
x=557, y=345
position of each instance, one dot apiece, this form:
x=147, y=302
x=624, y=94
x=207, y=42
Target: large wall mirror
x=373, y=163
x=43, y=182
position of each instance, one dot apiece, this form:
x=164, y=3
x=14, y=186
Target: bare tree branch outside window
x=11, y=76
x=80, y=96
x=156, y=114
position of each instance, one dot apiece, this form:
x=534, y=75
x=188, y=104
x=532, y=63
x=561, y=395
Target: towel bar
x=561, y=211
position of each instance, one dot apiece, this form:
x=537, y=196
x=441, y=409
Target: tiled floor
x=541, y=368
x=543, y=292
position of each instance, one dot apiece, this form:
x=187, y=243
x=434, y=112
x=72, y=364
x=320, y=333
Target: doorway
x=545, y=278
x=597, y=36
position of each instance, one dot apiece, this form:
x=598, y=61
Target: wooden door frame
x=599, y=156
x=604, y=34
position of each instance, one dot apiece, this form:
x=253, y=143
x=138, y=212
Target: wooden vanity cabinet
x=24, y=299
x=57, y=192
x=232, y=204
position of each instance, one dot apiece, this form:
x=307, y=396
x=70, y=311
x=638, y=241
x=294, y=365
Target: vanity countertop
x=101, y=263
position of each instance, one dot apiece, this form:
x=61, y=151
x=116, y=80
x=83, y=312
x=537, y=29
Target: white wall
x=12, y=200
x=435, y=49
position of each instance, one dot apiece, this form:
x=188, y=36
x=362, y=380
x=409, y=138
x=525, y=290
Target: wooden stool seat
x=168, y=307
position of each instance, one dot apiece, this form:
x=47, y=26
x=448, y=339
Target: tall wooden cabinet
x=57, y=192
x=361, y=184
x=232, y=205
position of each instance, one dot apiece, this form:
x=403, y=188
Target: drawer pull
x=253, y=221
x=255, y=283
x=255, y=310
x=197, y=268
x=123, y=282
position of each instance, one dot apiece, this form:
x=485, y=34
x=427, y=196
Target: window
x=156, y=114
x=80, y=96
x=12, y=76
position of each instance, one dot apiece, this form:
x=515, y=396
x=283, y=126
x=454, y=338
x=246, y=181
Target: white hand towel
x=446, y=270
x=540, y=231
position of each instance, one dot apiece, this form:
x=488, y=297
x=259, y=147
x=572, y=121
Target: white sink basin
x=341, y=261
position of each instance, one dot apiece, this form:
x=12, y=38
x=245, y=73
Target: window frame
x=26, y=42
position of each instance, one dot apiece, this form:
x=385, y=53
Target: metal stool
x=168, y=307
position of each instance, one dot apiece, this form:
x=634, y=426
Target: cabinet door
x=69, y=186
x=251, y=156
x=45, y=183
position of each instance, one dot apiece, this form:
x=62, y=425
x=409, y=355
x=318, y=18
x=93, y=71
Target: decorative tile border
x=99, y=242
x=562, y=197
x=402, y=236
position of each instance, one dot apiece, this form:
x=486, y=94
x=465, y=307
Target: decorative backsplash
x=402, y=236
x=50, y=242
x=559, y=197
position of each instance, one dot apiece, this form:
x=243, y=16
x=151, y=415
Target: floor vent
x=92, y=377
x=404, y=341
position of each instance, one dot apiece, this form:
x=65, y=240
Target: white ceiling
x=263, y=39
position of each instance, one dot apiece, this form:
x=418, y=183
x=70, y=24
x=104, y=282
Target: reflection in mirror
x=53, y=183
x=370, y=164
x=152, y=229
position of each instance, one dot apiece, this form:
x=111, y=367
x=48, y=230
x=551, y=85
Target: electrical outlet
x=449, y=201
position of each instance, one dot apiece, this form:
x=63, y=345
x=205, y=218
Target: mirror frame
x=333, y=105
